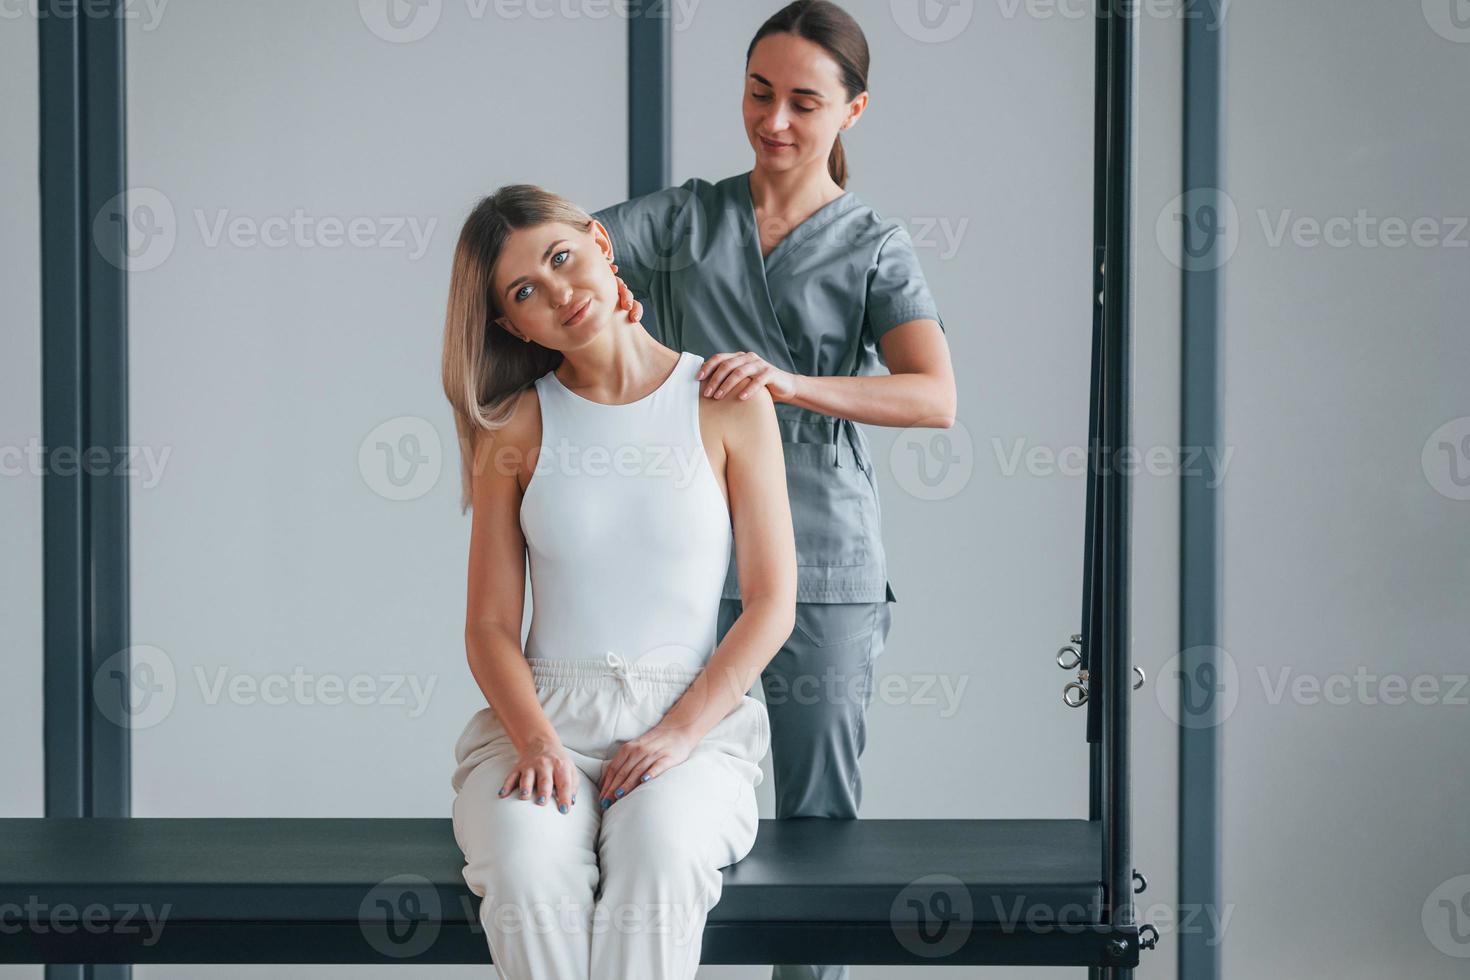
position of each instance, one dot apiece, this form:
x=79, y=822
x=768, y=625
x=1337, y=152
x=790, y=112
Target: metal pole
x=1091, y=595
x=1117, y=322
x=84, y=414
x=650, y=105
x=1199, y=522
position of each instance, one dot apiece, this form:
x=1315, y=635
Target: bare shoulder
x=739, y=421
x=525, y=422
x=509, y=449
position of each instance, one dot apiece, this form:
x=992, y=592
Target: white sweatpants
x=598, y=894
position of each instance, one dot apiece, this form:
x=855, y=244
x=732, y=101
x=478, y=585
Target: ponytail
x=837, y=163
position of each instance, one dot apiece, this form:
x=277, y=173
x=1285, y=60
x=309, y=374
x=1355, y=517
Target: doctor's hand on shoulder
x=741, y=372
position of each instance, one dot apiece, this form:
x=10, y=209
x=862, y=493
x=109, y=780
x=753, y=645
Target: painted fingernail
x=562, y=807
x=645, y=777
x=606, y=803
x=540, y=799
x=619, y=792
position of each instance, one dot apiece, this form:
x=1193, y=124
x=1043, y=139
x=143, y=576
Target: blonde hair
x=485, y=367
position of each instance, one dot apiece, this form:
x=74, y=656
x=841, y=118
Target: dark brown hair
x=828, y=25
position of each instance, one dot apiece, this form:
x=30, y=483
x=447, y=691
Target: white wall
x=21, y=766
x=20, y=424
x=1343, y=551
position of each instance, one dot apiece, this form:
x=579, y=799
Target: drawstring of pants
x=625, y=673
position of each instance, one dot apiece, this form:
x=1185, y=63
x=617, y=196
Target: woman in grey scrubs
x=781, y=277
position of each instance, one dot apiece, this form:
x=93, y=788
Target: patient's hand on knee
x=543, y=771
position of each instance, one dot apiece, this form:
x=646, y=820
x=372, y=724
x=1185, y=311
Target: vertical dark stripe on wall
x=84, y=404
x=650, y=116
x=1199, y=531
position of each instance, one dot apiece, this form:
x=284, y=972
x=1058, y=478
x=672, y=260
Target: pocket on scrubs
x=830, y=624
x=833, y=510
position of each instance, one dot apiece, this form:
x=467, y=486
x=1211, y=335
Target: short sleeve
x=643, y=230
x=897, y=291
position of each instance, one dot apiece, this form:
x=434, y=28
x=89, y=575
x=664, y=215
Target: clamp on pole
x=1069, y=657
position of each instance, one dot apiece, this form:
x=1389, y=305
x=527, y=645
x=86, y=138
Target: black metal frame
x=240, y=941
x=1106, y=629
x=84, y=397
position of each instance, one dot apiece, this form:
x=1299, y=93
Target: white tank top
x=628, y=531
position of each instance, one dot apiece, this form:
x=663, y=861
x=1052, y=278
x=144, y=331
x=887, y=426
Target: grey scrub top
x=815, y=306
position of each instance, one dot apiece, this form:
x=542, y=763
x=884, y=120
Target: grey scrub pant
x=818, y=689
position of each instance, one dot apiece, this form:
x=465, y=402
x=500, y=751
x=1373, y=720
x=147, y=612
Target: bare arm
x=765, y=557
x=495, y=605
x=919, y=389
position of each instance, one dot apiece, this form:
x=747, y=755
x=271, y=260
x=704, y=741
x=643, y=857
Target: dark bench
x=240, y=890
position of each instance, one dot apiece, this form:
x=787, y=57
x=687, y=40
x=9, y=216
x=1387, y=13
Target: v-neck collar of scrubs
x=763, y=268
x=813, y=223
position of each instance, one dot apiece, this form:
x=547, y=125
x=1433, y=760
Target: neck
x=800, y=190
x=620, y=363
